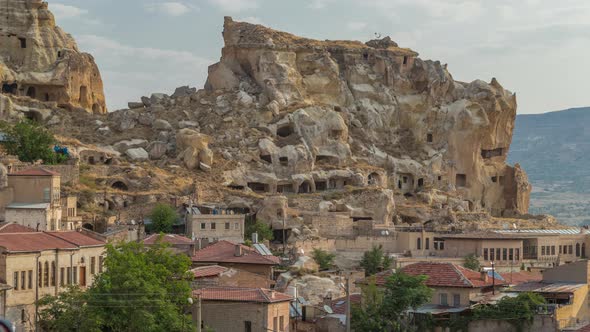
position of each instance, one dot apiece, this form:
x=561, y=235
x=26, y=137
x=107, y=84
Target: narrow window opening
x=405, y=60
x=461, y=180
x=429, y=138
x=23, y=42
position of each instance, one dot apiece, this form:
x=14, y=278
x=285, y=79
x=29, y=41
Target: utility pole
x=284, y=236
x=198, y=313
x=347, y=288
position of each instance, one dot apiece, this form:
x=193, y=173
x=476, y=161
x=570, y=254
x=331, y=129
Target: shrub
x=323, y=258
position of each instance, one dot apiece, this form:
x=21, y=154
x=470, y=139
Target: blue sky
x=539, y=49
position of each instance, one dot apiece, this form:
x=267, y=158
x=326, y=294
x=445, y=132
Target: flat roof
x=485, y=236
x=564, y=231
x=39, y=206
x=546, y=287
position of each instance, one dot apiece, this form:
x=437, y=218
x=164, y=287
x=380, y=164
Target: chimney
x=484, y=276
x=254, y=237
x=272, y=294
x=238, y=250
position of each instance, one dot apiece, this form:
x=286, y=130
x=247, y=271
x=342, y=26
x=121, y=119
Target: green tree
x=30, y=142
x=142, y=289
x=323, y=258
x=63, y=312
x=471, y=262
x=163, y=217
x=383, y=309
x=520, y=308
x=375, y=260
x=264, y=231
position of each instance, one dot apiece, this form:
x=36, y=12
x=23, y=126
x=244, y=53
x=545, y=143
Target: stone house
x=35, y=264
x=243, y=309
x=69, y=213
x=238, y=256
x=216, y=225
x=36, y=200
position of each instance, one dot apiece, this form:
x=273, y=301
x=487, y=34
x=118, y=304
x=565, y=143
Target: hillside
x=554, y=149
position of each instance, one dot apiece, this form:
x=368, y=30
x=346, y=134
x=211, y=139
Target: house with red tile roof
x=216, y=275
x=14, y=228
x=177, y=242
x=453, y=284
x=44, y=261
x=235, y=255
x=243, y=309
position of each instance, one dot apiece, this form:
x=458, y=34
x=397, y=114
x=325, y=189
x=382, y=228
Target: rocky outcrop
x=40, y=61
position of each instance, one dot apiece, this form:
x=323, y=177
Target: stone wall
x=331, y=225
x=541, y=323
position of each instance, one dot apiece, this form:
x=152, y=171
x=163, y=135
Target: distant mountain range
x=554, y=150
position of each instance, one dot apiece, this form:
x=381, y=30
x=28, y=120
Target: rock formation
x=40, y=61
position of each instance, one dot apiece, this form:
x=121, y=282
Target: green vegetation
x=375, y=260
x=264, y=231
x=519, y=311
x=471, y=262
x=323, y=258
x=163, y=216
x=382, y=310
x=142, y=289
x=30, y=142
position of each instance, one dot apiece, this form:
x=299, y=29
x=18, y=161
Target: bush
x=163, y=217
x=375, y=260
x=30, y=142
x=323, y=258
x=263, y=230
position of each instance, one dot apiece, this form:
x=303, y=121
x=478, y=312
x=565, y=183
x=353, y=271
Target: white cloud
x=356, y=26
x=235, y=5
x=169, y=8
x=129, y=72
x=62, y=12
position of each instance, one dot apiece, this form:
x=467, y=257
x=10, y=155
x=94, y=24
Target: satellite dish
x=328, y=309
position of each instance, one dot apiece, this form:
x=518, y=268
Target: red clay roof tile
x=224, y=252
x=15, y=228
x=208, y=271
x=34, y=172
x=240, y=294
x=37, y=241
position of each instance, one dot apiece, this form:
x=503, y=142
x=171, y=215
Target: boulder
x=157, y=150
x=134, y=105
x=137, y=154
x=161, y=125
x=125, y=145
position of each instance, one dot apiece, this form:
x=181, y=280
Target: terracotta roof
x=441, y=275
x=240, y=294
x=15, y=228
x=208, y=271
x=37, y=241
x=224, y=252
x=584, y=329
x=520, y=277
x=168, y=238
x=77, y=238
x=339, y=305
x=34, y=172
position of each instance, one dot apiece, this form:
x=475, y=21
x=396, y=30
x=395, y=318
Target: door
x=82, y=276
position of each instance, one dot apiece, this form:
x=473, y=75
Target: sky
x=539, y=49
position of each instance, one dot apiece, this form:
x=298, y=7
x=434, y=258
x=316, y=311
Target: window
x=492, y=254
x=203, y=225
x=571, y=249
x=69, y=276
x=498, y=257
x=542, y=250
x=427, y=244
x=247, y=326
x=504, y=254
x=560, y=251
x=429, y=138
x=511, y=254
x=100, y=263
x=15, y=283
x=443, y=299
x=23, y=42
x=62, y=279
x=226, y=226
x=46, y=194
x=30, y=279
x=577, y=250
x=517, y=254
x=92, y=265
x=236, y=226
x=46, y=275
x=40, y=274
x=485, y=254
x=282, y=323
x=418, y=243
x=53, y=273
x=553, y=250
x=75, y=275
x=461, y=180
x=213, y=225
x=275, y=323
x=405, y=59
x=456, y=300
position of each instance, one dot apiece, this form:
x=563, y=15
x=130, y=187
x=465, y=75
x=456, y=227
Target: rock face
x=40, y=61
x=329, y=106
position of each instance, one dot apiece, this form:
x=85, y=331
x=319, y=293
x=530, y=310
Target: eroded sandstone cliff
x=40, y=61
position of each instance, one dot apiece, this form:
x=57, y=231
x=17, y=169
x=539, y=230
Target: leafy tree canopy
x=163, y=217
x=471, y=262
x=375, y=260
x=30, y=142
x=142, y=289
x=264, y=231
x=323, y=258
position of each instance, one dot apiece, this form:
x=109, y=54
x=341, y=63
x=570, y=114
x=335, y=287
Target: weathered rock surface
x=39, y=60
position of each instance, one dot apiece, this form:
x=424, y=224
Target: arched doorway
x=119, y=185
x=31, y=92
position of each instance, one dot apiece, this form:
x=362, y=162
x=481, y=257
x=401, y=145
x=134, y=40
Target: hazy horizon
x=535, y=48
